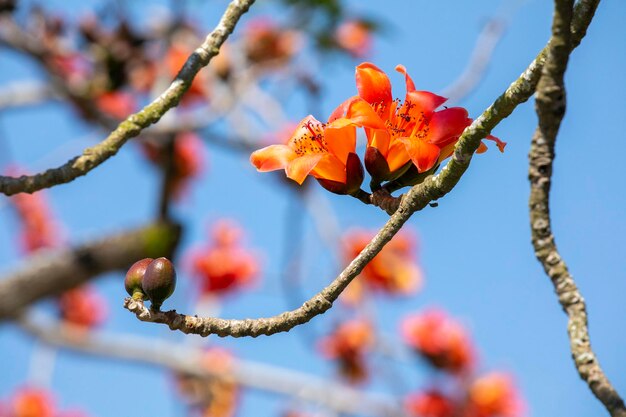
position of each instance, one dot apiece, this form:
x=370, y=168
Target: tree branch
x=134, y=124
x=188, y=360
x=52, y=272
x=415, y=199
x=550, y=107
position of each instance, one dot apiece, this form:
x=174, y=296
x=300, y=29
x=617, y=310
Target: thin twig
x=189, y=360
x=550, y=106
x=134, y=124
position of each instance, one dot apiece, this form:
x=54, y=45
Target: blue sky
x=475, y=247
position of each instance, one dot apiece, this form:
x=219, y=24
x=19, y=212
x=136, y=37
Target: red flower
x=118, y=104
x=430, y=403
x=440, y=339
x=401, y=132
x=393, y=271
x=348, y=344
x=265, y=41
x=325, y=151
x=83, y=307
x=224, y=265
x=493, y=395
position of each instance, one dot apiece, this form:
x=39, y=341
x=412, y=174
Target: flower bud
x=159, y=281
x=134, y=278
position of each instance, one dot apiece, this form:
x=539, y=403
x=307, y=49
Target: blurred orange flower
x=265, y=41
x=348, y=344
x=83, y=307
x=394, y=271
x=39, y=230
x=118, y=104
x=32, y=402
x=440, y=339
x=224, y=265
x=431, y=403
x=494, y=395
x=354, y=36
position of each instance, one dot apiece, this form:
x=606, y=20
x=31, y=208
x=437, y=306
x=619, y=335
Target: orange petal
x=363, y=115
x=423, y=154
x=397, y=156
x=272, y=157
x=424, y=101
x=447, y=124
x=379, y=139
x=341, y=140
x=301, y=166
x=331, y=168
x=373, y=84
x=482, y=148
x=410, y=85
x=498, y=142
x=342, y=109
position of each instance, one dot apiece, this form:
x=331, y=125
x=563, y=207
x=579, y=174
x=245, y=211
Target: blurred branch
x=550, y=106
x=25, y=93
x=134, y=124
x=414, y=200
x=52, y=272
x=478, y=62
x=189, y=360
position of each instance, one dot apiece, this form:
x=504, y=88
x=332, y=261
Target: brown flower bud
x=134, y=278
x=159, y=281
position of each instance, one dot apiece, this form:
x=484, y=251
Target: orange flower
x=39, y=230
x=355, y=37
x=224, y=265
x=325, y=151
x=440, y=339
x=32, y=402
x=393, y=271
x=493, y=395
x=348, y=344
x=175, y=58
x=118, y=104
x=430, y=403
x=82, y=306
x=401, y=132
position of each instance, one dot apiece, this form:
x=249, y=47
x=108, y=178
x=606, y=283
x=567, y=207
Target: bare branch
x=52, y=272
x=134, y=124
x=185, y=359
x=550, y=106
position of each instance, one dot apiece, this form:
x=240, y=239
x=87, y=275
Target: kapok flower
x=224, y=265
x=32, y=402
x=82, y=306
x=324, y=151
x=118, y=104
x=348, y=344
x=401, y=132
x=431, y=403
x=493, y=395
x=264, y=41
x=354, y=36
x=440, y=339
x=393, y=271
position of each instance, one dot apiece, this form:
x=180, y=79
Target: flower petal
x=373, y=84
x=501, y=145
x=397, y=156
x=300, y=167
x=423, y=154
x=363, y=115
x=341, y=140
x=272, y=157
x=342, y=109
x=447, y=125
x=424, y=101
x=331, y=168
x=410, y=86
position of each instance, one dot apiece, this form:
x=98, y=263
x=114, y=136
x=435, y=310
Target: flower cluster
x=445, y=344
x=405, y=139
x=35, y=402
